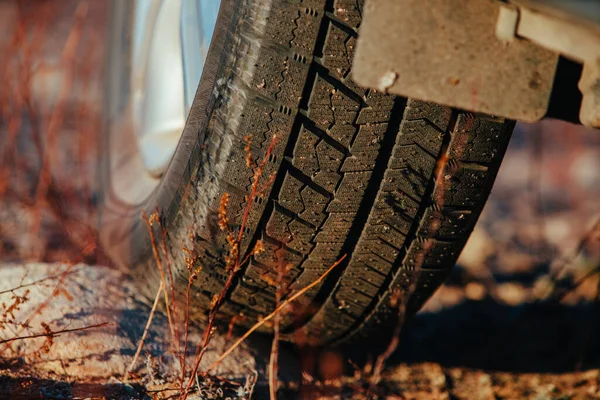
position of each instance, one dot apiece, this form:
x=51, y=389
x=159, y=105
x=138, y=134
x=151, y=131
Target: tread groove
x=305, y=179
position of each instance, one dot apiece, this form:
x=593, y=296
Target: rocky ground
x=517, y=319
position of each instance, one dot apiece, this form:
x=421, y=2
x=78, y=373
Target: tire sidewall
x=123, y=232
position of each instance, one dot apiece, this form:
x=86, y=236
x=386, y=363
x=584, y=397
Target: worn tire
x=395, y=184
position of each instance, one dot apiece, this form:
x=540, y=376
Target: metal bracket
x=490, y=56
x=572, y=36
x=449, y=52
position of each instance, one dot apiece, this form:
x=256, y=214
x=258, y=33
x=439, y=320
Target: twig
x=183, y=355
x=57, y=333
x=273, y=359
x=141, y=344
x=232, y=325
x=171, y=286
x=250, y=383
x=560, y=296
x=442, y=167
x=275, y=312
x=566, y=260
x=233, y=262
x=45, y=303
x=36, y=282
x=163, y=280
x=393, y=345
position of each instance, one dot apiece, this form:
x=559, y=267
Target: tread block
x=378, y=110
x=314, y=206
x=293, y=79
x=430, y=252
x=395, y=206
x=336, y=228
x=279, y=76
x=338, y=54
x=269, y=256
x=477, y=140
x=268, y=79
x=350, y=300
x=301, y=237
x=333, y=111
x=445, y=223
x=253, y=276
x=423, y=133
x=348, y=11
x=365, y=288
x=386, y=232
x=406, y=182
x=414, y=157
x=308, y=204
x=462, y=188
x=318, y=159
x=372, y=261
x=305, y=157
x=294, y=26
x=348, y=195
x=365, y=148
x=381, y=248
x=238, y=179
x=368, y=139
x=369, y=275
x=330, y=160
x=307, y=24
x=323, y=256
x=398, y=219
x=262, y=120
x=289, y=195
x=329, y=326
x=284, y=228
x=438, y=115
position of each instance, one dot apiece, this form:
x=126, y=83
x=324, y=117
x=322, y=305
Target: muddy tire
x=394, y=184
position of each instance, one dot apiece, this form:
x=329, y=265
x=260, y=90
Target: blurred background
x=523, y=299
x=51, y=66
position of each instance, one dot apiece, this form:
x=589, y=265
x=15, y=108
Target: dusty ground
x=508, y=323
x=91, y=362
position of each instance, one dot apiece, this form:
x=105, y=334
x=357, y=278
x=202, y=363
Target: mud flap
x=449, y=52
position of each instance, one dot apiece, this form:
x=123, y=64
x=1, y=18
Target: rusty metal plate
x=447, y=51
